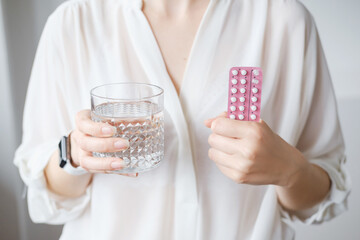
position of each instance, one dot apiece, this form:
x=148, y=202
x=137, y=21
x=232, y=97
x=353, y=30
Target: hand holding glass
x=136, y=111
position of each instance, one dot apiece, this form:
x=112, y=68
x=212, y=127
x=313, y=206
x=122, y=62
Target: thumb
x=209, y=121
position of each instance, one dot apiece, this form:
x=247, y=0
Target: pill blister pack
x=245, y=87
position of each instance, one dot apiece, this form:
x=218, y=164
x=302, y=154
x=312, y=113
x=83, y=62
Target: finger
x=87, y=126
x=221, y=158
x=94, y=144
x=133, y=175
x=230, y=161
x=234, y=175
x=93, y=164
x=231, y=173
x=97, y=171
x=224, y=144
x=231, y=128
x=240, y=177
x=209, y=121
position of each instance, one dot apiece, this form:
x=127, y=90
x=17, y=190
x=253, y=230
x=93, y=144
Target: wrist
x=65, y=161
x=73, y=162
x=301, y=168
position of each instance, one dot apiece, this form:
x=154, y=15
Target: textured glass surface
x=142, y=125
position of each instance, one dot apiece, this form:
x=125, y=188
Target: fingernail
x=133, y=174
x=108, y=130
x=116, y=165
x=121, y=144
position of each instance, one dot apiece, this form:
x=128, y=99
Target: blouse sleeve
x=46, y=119
x=321, y=140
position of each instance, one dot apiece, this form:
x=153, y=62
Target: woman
x=288, y=166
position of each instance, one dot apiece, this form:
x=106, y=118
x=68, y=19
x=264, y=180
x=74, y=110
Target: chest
x=207, y=50
x=175, y=38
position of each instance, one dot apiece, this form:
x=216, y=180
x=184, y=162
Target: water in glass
x=142, y=125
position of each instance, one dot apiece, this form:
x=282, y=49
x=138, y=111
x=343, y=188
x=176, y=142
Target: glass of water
x=136, y=111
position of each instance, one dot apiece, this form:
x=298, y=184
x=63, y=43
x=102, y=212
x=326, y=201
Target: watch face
x=62, y=152
x=64, y=159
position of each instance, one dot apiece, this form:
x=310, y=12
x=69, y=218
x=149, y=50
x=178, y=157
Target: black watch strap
x=65, y=158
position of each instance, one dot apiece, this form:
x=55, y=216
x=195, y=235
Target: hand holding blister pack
x=245, y=87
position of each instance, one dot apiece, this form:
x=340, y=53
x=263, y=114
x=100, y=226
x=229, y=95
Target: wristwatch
x=65, y=158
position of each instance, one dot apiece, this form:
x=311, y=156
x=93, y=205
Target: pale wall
x=338, y=22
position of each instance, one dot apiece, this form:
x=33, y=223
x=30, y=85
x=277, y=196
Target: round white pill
x=254, y=99
x=234, y=81
x=232, y=116
x=232, y=108
x=234, y=90
x=255, y=90
x=253, y=116
x=241, y=117
x=241, y=108
x=256, y=72
x=233, y=99
x=243, y=72
x=234, y=72
x=253, y=107
x=255, y=81
x=242, y=99
x=243, y=81
x=242, y=90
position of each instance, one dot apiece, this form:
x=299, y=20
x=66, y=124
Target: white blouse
x=87, y=43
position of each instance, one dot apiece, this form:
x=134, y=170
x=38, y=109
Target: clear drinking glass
x=136, y=110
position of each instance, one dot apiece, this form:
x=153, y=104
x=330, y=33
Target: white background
x=21, y=23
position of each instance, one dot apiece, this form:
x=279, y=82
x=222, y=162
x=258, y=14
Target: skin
x=245, y=152
x=86, y=138
x=174, y=24
x=251, y=153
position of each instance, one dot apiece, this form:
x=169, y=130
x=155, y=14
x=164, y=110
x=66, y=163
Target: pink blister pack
x=245, y=87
